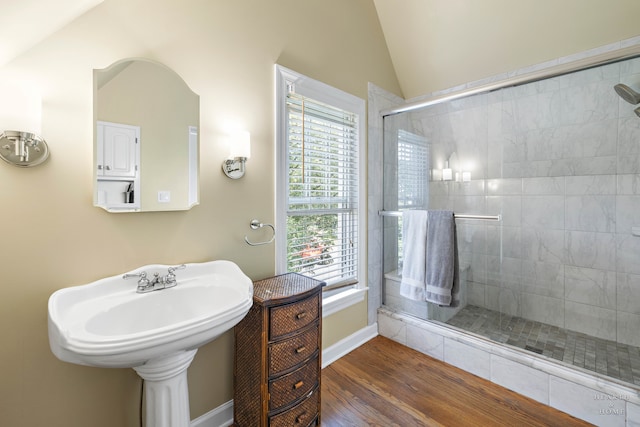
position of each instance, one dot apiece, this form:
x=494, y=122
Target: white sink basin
x=107, y=324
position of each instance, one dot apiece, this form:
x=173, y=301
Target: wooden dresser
x=278, y=354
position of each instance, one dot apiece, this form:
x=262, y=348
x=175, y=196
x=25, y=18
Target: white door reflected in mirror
x=118, y=175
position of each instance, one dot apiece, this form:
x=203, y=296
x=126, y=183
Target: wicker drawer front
x=288, y=353
x=301, y=415
x=289, y=318
x=293, y=386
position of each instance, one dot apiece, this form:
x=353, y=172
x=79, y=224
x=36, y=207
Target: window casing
x=320, y=181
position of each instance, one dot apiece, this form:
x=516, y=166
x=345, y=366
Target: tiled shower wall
x=559, y=159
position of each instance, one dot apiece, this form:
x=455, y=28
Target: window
x=413, y=177
x=413, y=171
x=320, y=185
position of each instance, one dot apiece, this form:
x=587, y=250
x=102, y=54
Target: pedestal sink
x=108, y=324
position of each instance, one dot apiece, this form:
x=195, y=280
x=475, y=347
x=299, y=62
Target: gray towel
x=442, y=259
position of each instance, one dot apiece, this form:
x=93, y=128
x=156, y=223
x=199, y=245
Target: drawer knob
x=300, y=349
x=298, y=385
x=301, y=315
x=300, y=418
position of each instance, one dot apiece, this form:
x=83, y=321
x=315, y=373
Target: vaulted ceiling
x=27, y=22
x=433, y=44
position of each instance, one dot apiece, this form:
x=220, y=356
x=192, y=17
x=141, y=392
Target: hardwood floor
x=383, y=383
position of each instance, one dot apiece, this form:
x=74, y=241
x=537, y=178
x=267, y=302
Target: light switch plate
x=164, y=196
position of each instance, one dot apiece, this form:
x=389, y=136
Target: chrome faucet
x=156, y=283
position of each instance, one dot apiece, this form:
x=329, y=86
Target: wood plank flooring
x=383, y=383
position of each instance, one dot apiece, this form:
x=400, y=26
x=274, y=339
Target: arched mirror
x=146, y=138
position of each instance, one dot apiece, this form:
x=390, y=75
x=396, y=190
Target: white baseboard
x=345, y=345
x=222, y=416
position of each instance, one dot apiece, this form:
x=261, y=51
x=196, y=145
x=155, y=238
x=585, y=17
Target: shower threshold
x=606, y=357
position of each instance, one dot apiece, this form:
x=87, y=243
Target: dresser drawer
x=288, y=388
x=302, y=415
x=289, y=318
x=286, y=354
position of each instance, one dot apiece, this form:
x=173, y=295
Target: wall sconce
x=20, y=119
x=447, y=173
x=239, y=153
x=23, y=149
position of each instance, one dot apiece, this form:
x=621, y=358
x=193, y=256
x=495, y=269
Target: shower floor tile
x=605, y=357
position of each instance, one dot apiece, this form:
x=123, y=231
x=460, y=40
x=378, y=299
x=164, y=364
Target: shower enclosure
x=552, y=169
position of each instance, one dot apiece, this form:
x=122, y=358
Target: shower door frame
x=524, y=77
x=529, y=77
x=539, y=72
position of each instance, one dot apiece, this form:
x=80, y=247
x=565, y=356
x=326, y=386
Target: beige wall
x=344, y=323
x=438, y=44
x=52, y=236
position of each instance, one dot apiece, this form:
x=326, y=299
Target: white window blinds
x=413, y=171
x=322, y=194
x=413, y=177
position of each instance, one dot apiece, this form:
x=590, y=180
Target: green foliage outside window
x=310, y=241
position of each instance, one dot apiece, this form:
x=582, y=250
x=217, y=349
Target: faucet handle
x=170, y=279
x=177, y=267
x=143, y=281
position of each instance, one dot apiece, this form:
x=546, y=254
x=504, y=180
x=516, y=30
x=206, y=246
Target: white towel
x=414, y=255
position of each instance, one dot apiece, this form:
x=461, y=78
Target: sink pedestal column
x=166, y=391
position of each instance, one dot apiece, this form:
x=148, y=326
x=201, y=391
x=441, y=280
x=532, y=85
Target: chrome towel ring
x=255, y=224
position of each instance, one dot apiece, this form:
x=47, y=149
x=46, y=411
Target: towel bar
x=457, y=216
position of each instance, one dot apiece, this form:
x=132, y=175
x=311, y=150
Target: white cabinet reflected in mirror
x=146, y=138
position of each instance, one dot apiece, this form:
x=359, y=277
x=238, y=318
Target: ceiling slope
x=439, y=44
x=27, y=22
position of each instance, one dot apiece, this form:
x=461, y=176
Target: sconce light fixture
x=239, y=153
x=20, y=120
x=447, y=173
x=23, y=149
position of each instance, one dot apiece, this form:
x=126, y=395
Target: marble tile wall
x=559, y=159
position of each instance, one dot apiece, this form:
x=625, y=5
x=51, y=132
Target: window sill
x=341, y=300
